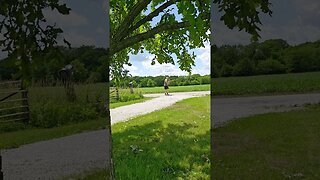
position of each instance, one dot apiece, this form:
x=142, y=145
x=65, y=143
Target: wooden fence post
x=25, y=104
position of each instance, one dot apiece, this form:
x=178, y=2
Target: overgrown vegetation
x=49, y=106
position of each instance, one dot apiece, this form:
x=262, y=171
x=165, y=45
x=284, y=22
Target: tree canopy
x=171, y=27
x=24, y=31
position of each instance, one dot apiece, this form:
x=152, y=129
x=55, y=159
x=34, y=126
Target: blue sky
x=295, y=21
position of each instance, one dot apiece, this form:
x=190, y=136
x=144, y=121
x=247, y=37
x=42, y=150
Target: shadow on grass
x=159, y=151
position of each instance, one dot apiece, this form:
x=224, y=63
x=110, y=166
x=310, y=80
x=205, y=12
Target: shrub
x=52, y=114
x=226, y=70
x=245, y=67
x=151, y=83
x=271, y=66
x=125, y=96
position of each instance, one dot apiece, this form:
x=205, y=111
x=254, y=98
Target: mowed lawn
x=167, y=145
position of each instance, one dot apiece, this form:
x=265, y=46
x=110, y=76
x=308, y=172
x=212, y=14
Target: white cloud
x=203, y=57
x=162, y=69
x=133, y=70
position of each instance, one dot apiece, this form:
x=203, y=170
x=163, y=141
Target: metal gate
x=13, y=102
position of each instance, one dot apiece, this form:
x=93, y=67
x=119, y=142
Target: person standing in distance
x=166, y=86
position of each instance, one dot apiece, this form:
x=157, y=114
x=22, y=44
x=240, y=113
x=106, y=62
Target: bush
x=52, y=114
x=124, y=97
x=226, y=70
x=245, y=67
x=151, y=83
x=271, y=66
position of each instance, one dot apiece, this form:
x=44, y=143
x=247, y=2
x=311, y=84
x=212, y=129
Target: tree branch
x=150, y=16
x=136, y=10
x=144, y=36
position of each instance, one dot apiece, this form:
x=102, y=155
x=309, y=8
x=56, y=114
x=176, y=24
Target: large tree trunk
x=109, y=167
x=211, y=118
x=211, y=92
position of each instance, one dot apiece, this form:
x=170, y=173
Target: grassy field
x=254, y=85
x=251, y=85
x=270, y=146
x=268, y=84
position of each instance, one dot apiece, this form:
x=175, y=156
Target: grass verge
x=163, y=144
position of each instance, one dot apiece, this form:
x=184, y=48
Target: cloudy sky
x=296, y=21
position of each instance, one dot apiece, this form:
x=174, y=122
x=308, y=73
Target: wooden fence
x=13, y=102
x=113, y=94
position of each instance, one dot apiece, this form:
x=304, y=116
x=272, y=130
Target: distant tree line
x=150, y=81
x=88, y=62
x=269, y=57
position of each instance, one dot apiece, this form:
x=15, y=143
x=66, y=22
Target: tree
x=25, y=31
x=80, y=72
x=118, y=72
x=151, y=83
x=133, y=32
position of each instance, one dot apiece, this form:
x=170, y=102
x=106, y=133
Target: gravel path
x=160, y=101
x=226, y=109
x=86, y=151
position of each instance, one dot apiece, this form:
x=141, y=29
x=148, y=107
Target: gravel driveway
x=75, y=154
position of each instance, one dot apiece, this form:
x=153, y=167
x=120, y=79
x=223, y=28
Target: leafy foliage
x=170, y=28
x=25, y=31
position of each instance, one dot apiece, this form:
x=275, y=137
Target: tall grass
x=49, y=106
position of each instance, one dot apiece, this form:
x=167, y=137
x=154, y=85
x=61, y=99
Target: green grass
x=251, y=85
x=205, y=87
x=254, y=85
x=269, y=146
x=164, y=144
x=268, y=84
